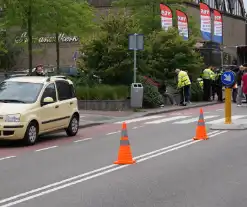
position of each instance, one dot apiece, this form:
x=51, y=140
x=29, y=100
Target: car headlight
x=13, y=118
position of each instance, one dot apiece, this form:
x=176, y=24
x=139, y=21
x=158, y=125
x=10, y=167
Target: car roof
x=39, y=79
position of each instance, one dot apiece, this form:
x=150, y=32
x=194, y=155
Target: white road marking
x=93, y=174
x=220, y=110
x=81, y=116
x=113, y=133
x=137, y=127
x=139, y=119
x=5, y=158
x=213, y=132
x=217, y=121
x=82, y=140
x=47, y=148
x=187, y=121
x=175, y=148
x=222, y=132
x=167, y=119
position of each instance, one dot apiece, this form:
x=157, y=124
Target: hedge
x=102, y=92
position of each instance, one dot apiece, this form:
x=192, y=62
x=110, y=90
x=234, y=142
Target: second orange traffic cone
x=201, y=133
x=124, y=153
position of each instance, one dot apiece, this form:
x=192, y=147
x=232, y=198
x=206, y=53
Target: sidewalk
x=93, y=118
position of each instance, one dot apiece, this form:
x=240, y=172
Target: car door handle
x=70, y=103
x=56, y=106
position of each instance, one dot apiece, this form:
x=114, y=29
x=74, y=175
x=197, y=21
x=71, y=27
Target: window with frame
x=50, y=91
x=237, y=9
x=65, y=90
x=227, y=6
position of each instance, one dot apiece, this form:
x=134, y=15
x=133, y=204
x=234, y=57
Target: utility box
x=136, y=95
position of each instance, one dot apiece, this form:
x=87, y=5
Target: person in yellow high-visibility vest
x=184, y=86
x=200, y=81
x=208, y=76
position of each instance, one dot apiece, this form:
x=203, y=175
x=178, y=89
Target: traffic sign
x=136, y=41
x=228, y=78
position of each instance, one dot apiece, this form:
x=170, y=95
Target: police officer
x=207, y=76
x=200, y=82
x=219, y=85
x=213, y=83
x=184, y=86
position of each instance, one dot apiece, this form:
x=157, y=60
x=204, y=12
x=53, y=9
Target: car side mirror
x=47, y=100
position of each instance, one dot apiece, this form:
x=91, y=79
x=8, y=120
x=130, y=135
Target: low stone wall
x=104, y=105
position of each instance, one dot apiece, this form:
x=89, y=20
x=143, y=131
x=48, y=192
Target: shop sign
x=47, y=39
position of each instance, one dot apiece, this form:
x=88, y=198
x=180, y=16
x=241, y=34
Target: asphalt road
x=172, y=170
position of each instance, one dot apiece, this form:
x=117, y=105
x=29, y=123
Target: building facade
x=234, y=29
x=234, y=34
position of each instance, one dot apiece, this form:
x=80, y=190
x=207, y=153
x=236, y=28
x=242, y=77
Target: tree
x=148, y=13
x=108, y=57
x=107, y=54
x=67, y=16
x=24, y=15
x=9, y=51
x=168, y=50
x=35, y=16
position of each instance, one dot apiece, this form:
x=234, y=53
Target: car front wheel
x=31, y=134
x=73, y=126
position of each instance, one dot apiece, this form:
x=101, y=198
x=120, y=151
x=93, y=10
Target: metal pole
x=228, y=106
x=134, y=66
x=135, y=59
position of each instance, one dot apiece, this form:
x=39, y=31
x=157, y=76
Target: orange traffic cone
x=201, y=133
x=124, y=153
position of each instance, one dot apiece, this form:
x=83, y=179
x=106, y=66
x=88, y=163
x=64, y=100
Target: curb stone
x=152, y=113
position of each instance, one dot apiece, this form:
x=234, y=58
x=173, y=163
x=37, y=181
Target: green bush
x=107, y=53
x=151, y=96
x=85, y=80
x=196, y=92
x=102, y=92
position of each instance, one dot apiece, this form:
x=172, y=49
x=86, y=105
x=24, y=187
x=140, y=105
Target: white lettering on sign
x=217, y=18
x=204, y=11
x=165, y=13
x=47, y=39
x=182, y=19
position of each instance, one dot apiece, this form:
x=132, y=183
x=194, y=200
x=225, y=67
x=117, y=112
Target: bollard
x=228, y=106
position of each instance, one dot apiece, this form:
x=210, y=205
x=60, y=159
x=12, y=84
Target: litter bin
x=136, y=95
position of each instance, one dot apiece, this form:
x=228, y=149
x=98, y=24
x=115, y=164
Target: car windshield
x=19, y=92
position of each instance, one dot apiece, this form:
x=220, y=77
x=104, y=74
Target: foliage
x=196, y=92
x=68, y=16
x=107, y=54
x=102, y=92
x=9, y=51
x=46, y=16
x=151, y=96
x=86, y=79
x=168, y=51
x=148, y=13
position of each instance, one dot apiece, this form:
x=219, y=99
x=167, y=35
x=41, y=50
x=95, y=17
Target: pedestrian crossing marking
x=218, y=121
x=182, y=119
x=187, y=121
x=167, y=119
x=139, y=119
